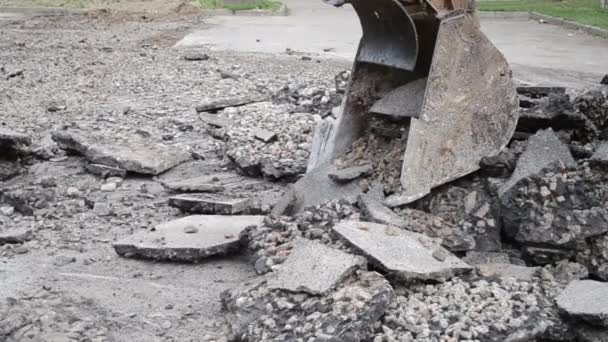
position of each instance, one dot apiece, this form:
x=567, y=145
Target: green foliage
x=587, y=12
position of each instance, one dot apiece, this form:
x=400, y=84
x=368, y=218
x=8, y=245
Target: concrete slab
x=15, y=236
x=543, y=149
x=601, y=154
x=210, y=183
x=316, y=28
x=210, y=204
x=314, y=268
x=235, y=101
x=12, y=138
x=405, y=254
x=130, y=153
x=586, y=300
x=191, y=238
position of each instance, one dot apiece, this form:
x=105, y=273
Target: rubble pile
x=483, y=310
x=268, y=140
x=312, y=99
x=13, y=146
x=383, y=146
x=534, y=205
x=517, y=251
x=350, y=313
x=29, y=319
x=271, y=242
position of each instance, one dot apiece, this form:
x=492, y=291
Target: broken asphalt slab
x=15, y=236
x=454, y=238
x=235, y=101
x=349, y=174
x=544, y=148
x=586, y=300
x=188, y=239
x=405, y=254
x=134, y=154
x=211, y=183
x=211, y=204
x=12, y=138
x=314, y=268
x=216, y=120
x=601, y=154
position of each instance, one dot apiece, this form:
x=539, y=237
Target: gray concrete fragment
x=210, y=183
x=374, y=211
x=16, y=235
x=215, y=235
x=210, y=204
x=453, y=237
x=544, y=148
x=235, y=101
x=586, y=300
x=195, y=56
x=507, y=271
x=314, y=268
x=134, y=153
x=317, y=188
x=321, y=137
x=351, y=173
x=265, y=136
x=105, y=171
x=480, y=258
x=601, y=154
x=405, y=254
x=216, y=120
x=9, y=169
x=405, y=101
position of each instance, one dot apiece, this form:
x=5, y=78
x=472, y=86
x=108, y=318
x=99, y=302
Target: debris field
x=149, y=193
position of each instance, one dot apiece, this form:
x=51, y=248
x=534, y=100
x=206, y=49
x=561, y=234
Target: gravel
x=117, y=76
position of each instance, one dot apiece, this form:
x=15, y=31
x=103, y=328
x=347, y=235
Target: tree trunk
x=604, y=3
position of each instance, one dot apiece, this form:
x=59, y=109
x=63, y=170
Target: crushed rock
x=383, y=147
x=285, y=157
x=456, y=310
x=49, y=316
x=348, y=313
x=189, y=239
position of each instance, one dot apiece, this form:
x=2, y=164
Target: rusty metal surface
x=389, y=34
x=470, y=110
x=405, y=101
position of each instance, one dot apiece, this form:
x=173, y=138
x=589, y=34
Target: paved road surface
x=316, y=28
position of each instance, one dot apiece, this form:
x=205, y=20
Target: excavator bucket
x=425, y=65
